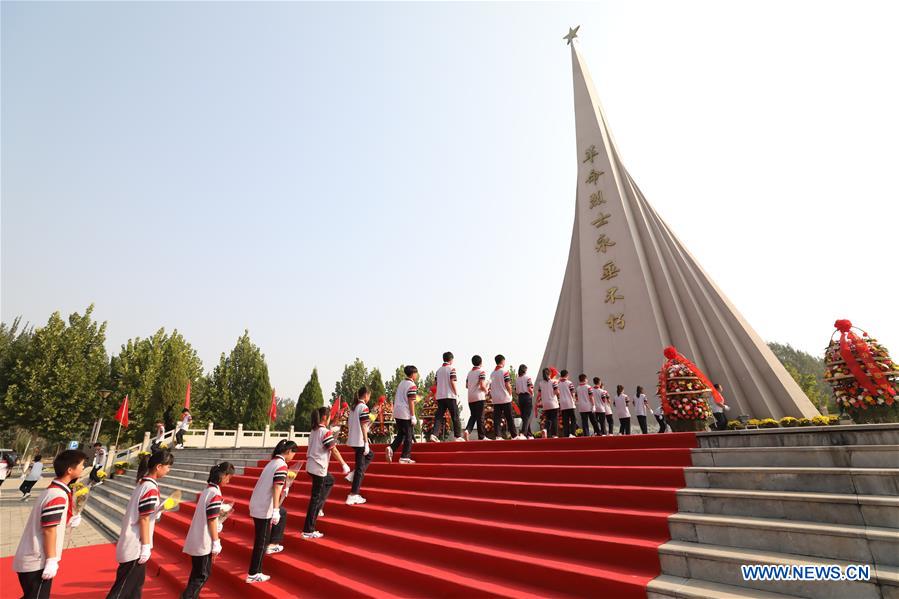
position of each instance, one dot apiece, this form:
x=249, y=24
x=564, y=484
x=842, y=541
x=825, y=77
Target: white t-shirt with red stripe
x=473, y=383
x=499, y=378
x=548, y=399
x=360, y=417
x=405, y=391
x=446, y=374
x=144, y=501
x=52, y=509
x=262, y=499
x=584, y=398
x=198, y=541
x=524, y=384
x=566, y=394
x=318, y=454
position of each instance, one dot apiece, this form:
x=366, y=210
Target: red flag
x=122, y=414
x=335, y=407
x=273, y=411
x=187, y=396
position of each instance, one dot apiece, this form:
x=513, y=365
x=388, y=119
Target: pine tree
x=310, y=398
x=376, y=384
x=240, y=387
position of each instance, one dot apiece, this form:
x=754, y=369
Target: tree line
x=57, y=380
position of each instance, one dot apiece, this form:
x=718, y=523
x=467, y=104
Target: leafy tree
x=180, y=364
x=808, y=372
x=376, y=384
x=240, y=388
x=354, y=376
x=394, y=382
x=310, y=398
x=52, y=388
x=286, y=409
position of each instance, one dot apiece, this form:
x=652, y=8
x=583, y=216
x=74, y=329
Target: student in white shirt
x=524, y=386
x=567, y=405
x=322, y=445
x=603, y=411
x=404, y=415
x=37, y=557
x=183, y=426
x=98, y=464
x=641, y=404
x=446, y=400
x=501, y=394
x=659, y=413
x=621, y=411
x=357, y=438
x=158, y=436
x=267, y=509
x=548, y=400
x=135, y=543
x=34, y=475
x=202, y=543
x=586, y=406
x=476, y=383
x=718, y=411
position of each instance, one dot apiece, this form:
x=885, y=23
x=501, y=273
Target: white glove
x=145, y=551
x=727, y=407
x=75, y=521
x=345, y=468
x=276, y=517
x=159, y=515
x=216, y=547
x=51, y=567
x=367, y=450
x=218, y=527
x=414, y=421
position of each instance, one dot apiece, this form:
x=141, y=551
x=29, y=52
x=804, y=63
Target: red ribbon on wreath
x=849, y=341
x=675, y=357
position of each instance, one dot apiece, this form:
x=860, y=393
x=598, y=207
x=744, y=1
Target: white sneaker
x=466, y=434
x=273, y=549
x=349, y=477
x=486, y=439
x=407, y=461
x=460, y=439
x=257, y=578
x=360, y=500
x=179, y=447
x=519, y=437
x=389, y=452
x=312, y=535
x=544, y=433
x=321, y=513
x=351, y=499
x=434, y=439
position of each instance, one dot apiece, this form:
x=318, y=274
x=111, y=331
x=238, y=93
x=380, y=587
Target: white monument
x=631, y=288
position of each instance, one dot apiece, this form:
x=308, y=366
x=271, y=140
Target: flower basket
x=683, y=389
x=769, y=423
x=864, y=379
x=120, y=467
x=789, y=422
x=735, y=425
x=805, y=422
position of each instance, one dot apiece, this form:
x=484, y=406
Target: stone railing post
x=146, y=444
x=290, y=433
x=265, y=436
x=208, y=437
x=238, y=436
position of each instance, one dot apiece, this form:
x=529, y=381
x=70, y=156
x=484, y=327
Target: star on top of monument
x=572, y=33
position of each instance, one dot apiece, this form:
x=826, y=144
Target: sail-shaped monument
x=631, y=288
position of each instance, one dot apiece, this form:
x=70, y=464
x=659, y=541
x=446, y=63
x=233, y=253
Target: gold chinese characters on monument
x=615, y=322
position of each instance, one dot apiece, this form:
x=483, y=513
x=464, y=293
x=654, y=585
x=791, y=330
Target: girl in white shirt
x=603, y=411
x=524, y=386
x=641, y=405
x=624, y=415
x=357, y=438
x=267, y=511
x=548, y=400
x=322, y=445
x=202, y=543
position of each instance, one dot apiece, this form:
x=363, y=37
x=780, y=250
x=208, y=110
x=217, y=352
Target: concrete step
x=858, y=434
x=100, y=511
x=686, y=588
x=855, y=510
x=205, y=464
x=861, y=481
x=721, y=565
x=821, y=456
x=852, y=544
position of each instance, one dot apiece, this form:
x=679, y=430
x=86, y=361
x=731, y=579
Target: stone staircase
x=792, y=502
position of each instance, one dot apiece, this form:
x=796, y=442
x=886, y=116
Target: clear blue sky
x=392, y=180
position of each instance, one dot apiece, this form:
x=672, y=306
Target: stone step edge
x=692, y=588
x=796, y=448
x=792, y=470
x=794, y=526
x=879, y=500
x=880, y=574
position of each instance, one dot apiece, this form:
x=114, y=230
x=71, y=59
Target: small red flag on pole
x=335, y=407
x=122, y=415
x=187, y=396
x=273, y=411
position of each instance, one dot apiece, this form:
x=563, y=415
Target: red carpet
x=554, y=518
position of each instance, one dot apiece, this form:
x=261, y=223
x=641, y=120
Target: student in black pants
x=322, y=445
x=357, y=438
x=524, y=386
x=548, y=399
x=621, y=410
x=640, y=407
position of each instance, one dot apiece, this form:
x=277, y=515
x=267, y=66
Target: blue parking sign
x=73, y=444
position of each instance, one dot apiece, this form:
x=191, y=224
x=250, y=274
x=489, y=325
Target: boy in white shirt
x=524, y=386
x=548, y=400
x=476, y=383
x=567, y=404
x=34, y=475
x=501, y=393
x=98, y=464
x=659, y=413
x=446, y=400
x=622, y=401
x=37, y=557
x=641, y=404
x=182, y=428
x=357, y=438
x=603, y=412
x=586, y=406
x=404, y=415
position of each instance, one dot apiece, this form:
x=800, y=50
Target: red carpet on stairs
x=551, y=518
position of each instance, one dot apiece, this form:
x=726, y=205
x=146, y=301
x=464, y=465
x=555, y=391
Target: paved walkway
x=14, y=514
